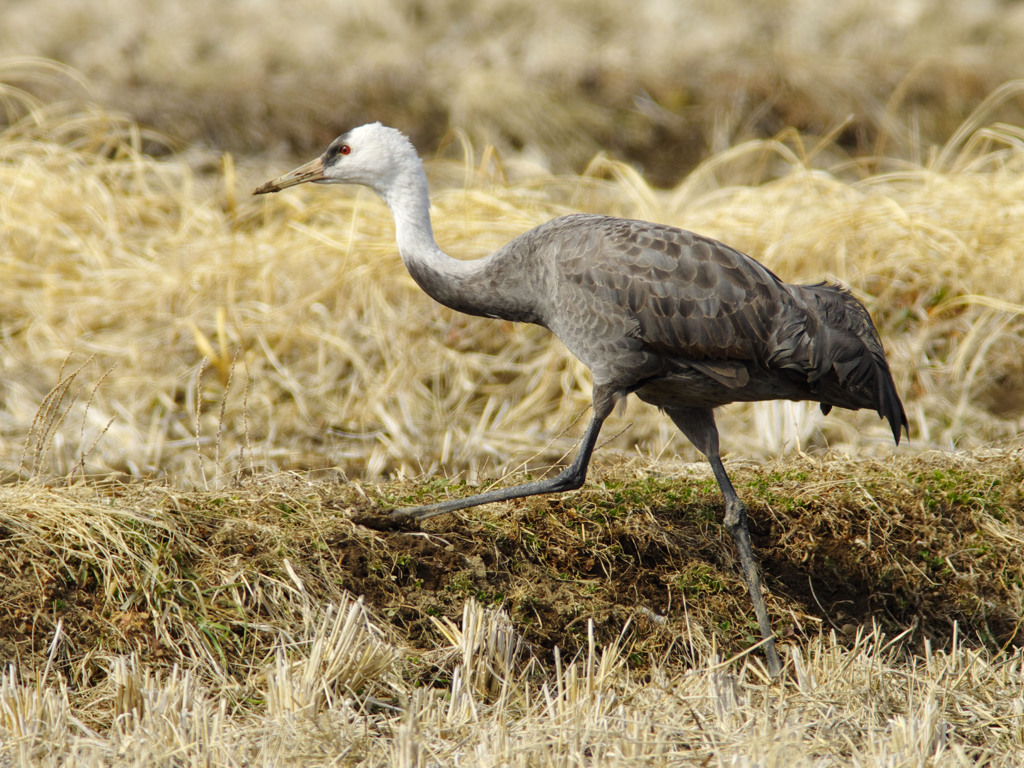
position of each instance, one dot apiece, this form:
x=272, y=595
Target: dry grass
x=176, y=327
x=665, y=84
x=158, y=324
x=146, y=626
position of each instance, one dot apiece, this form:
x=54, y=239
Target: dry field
x=200, y=391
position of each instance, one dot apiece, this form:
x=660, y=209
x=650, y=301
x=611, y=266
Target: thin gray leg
x=570, y=478
x=698, y=424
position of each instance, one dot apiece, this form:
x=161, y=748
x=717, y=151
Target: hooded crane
x=684, y=322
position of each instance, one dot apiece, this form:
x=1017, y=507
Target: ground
x=919, y=543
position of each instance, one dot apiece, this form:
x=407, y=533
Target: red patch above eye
x=345, y=149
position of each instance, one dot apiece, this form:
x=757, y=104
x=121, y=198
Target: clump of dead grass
x=159, y=322
x=343, y=653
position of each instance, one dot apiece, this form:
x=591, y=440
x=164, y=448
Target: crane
x=682, y=321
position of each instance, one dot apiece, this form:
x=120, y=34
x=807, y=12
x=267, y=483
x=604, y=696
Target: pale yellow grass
x=155, y=320
x=185, y=329
x=861, y=705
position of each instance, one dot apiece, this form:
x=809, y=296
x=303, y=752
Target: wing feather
x=639, y=302
x=692, y=297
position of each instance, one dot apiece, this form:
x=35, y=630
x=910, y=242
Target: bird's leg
x=736, y=523
x=568, y=479
x=698, y=424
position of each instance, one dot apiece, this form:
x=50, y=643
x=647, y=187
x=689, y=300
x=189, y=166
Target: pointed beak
x=311, y=171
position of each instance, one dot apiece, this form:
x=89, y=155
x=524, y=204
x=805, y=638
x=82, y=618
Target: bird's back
x=684, y=320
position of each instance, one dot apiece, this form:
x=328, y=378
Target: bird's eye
x=345, y=149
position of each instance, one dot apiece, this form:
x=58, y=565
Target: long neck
x=466, y=286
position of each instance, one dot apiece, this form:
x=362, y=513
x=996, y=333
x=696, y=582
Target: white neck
x=457, y=284
x=409, y=201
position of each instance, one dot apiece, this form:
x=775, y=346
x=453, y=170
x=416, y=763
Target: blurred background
x=661, y=84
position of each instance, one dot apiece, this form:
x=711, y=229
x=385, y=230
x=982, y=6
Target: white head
x=372, y=155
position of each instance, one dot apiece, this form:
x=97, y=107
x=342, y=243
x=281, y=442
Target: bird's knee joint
x=735, y=517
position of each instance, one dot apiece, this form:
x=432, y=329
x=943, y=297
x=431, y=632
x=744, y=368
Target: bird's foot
x=392, y=520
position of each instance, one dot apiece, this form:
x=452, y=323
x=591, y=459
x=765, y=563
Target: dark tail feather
x=889, y=404
x=856, y=356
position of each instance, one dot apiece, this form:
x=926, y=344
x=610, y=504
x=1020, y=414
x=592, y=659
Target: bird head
x=372, y=155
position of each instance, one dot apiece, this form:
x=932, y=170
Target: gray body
x=679, y=319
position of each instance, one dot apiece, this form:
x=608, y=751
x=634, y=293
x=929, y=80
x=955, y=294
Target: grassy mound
x=147, y=616
x=168, y=596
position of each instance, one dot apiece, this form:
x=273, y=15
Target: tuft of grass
x=344, y=654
